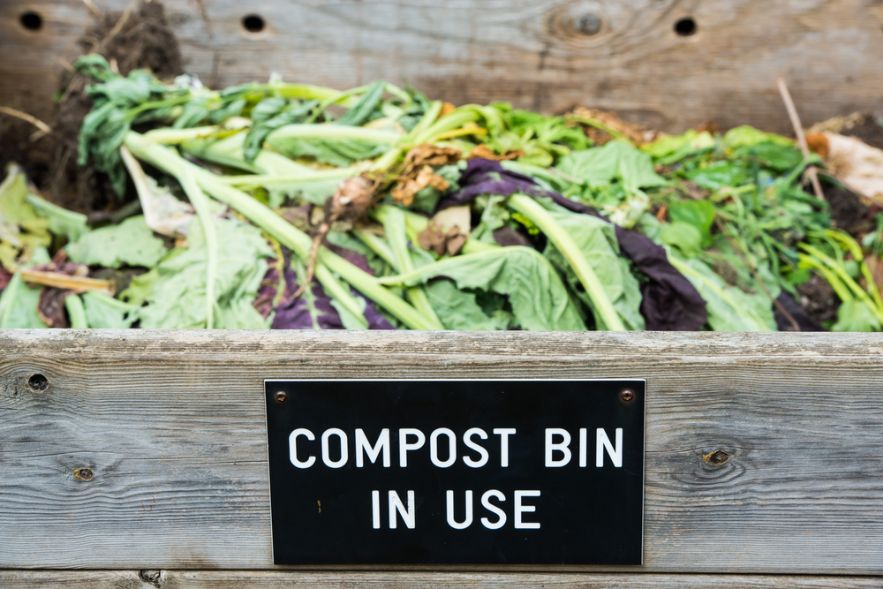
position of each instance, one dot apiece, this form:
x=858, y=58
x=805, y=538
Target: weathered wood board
x=156, y=579
x=764, y=452
x=667, y=63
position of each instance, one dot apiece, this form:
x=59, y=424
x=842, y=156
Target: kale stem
x=565, y=244
x=170, y=161
x=394, y=227
x=75, y=311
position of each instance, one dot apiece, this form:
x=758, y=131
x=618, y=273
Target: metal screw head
x=626, y=395
x=280, y=397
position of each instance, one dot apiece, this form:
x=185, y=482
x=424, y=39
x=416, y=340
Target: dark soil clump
x=818, y=300
x=848, y=211
x=138, y=37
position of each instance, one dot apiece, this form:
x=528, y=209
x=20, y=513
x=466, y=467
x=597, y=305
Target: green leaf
x=459, y=309
x=22, y=228
x=176, y=291
x=104, y=311
x=597, y=241
x=18, y=305
x=268, y=115
x=361, y=112
x=615, y=161
x=856, y=315
x=746, y=136
x=60, y=220
x=536, y=294
x=729, y=308
x=698, y=213
x=683, y=236
x=131, y=243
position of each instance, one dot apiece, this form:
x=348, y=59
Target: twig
x=42, y=128
x=94, y=10
x=66, y=281
x=811, y=171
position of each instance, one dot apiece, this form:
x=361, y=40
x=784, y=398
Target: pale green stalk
x=262, y=216
x=332, y=131
x=394, y=228
x=376, y=245
x=568, y=248
x=75, y=312
x=202, y=206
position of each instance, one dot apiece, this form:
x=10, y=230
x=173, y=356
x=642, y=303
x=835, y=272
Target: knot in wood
x=716, y=457
x=83, y=474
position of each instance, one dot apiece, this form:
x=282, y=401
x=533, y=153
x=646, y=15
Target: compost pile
x=295, y=206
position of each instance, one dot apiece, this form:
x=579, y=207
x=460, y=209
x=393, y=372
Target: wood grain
x=171, y=425
x=157, y=579
x=544, y=54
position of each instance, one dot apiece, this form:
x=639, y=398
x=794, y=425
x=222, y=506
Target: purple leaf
x=669, y=301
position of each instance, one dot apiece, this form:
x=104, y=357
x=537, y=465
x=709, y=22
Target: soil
x=848, y=211
x=818, y=300
x=863, y=125
x=138, y=37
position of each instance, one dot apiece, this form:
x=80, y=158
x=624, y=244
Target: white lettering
x=562, y=447
x=292, y=448
x=602, y=443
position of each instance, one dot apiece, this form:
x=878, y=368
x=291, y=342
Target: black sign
x=456, y=472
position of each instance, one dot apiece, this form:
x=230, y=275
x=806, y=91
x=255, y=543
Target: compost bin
x=578, y=445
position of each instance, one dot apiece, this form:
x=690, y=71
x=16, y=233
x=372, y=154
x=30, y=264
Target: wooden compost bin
x=147, y=451
x=135, y=459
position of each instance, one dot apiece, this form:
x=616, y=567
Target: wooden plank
x=171, y=424
x=156, y=579
x=549, y=55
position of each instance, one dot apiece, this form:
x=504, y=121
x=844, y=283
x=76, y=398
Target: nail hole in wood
x=38, y=382
x=253, y=23
x=686, y=26
x=589, y=24
x=30, y=20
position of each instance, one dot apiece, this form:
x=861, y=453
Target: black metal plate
x=327, y=513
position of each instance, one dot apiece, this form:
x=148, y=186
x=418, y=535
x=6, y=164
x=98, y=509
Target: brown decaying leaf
x=858, y=165
x=636, y=134
x=447, y=231
x=51, y=307
x=350, y=202
x=418, y=171
x=485, y=152
x=437, y=239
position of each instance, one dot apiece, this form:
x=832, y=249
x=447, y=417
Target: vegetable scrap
x=293, y=206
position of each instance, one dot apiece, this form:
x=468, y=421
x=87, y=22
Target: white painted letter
x=561, y=446
x=519, y=509
x=363, y=446
x=405, y=446
x=467, y=519
x=603, y=443
x=433, y=447
x=375, y=510
x=344, y=450
x=292, y=448
x=467, y=439
x=504, y=433
x=486, y=503
x=409, y=515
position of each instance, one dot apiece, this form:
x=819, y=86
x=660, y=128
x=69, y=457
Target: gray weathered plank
x=172, y=424
x=548, y=55
x=156, y=579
